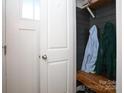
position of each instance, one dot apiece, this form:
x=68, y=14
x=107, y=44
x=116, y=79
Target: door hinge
x=5, y=49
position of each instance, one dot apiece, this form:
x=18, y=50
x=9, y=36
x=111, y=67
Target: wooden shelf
x=97, y=83
x=95, y=4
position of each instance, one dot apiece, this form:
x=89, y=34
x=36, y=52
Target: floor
x=81, y=92
x=85, y=91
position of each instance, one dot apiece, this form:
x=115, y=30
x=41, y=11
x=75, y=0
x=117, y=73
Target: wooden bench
x=96, y=83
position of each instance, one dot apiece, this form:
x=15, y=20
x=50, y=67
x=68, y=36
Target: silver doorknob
x=44, y=57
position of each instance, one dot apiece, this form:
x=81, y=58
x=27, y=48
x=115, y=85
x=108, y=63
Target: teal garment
x=99, y=62
x=106, y=59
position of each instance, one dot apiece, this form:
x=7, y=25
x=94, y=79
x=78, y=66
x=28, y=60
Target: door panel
x=22, y=39
x=57, y=73
x=57, y=24
x=56, y=43
x=28, y=61
x=57, y=32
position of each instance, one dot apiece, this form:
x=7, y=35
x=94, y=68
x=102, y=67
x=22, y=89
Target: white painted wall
x=119, y=45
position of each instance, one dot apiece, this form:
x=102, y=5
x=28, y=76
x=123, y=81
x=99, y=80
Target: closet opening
x=96, y=46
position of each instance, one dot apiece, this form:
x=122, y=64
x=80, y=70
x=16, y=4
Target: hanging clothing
x=106, y=61
x=90, y=56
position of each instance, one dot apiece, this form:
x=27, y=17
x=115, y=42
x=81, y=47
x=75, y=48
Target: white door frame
x=119, y=45
x=74, y=45
x=3, y=44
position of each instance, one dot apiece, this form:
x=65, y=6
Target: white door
x=50, y=35
x=22, y=40
x=56, y=64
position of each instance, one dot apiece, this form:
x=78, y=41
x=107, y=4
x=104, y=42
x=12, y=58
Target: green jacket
x=106, y=59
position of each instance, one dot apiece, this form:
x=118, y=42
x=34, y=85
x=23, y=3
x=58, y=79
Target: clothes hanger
x=86, y=5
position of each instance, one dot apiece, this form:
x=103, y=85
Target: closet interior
x=96, y=46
